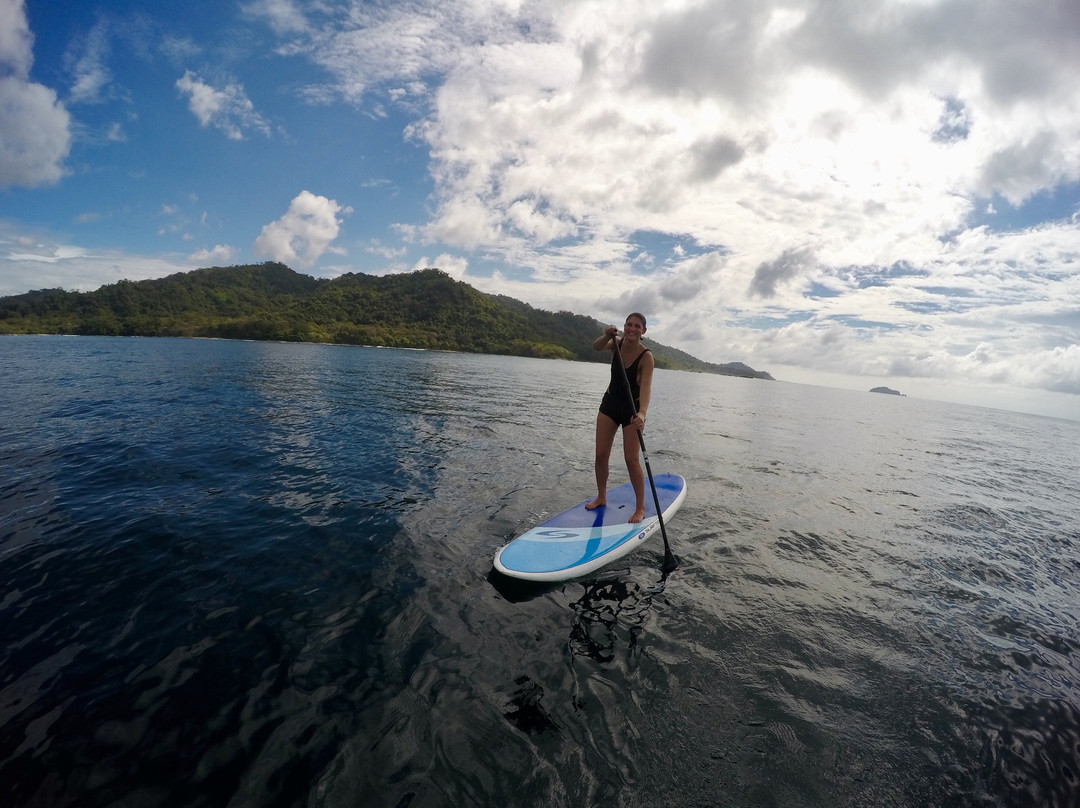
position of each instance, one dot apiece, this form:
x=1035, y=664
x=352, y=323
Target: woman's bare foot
x=596, y=503
x=639, y=514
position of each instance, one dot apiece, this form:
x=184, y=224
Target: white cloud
x=660, y=130
x=178, y=49
x=383, y=251
x=397, y=47
x=16, y=41
x=35, y=136
x=1057, y=369
x=304, y=233
x=218, y=255
x=35, y=128
x=283, y=16
x=43, y=261
x=90, y=75
x=453, y=265
x=227, y=109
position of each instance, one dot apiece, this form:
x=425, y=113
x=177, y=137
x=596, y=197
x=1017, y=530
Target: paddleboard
x=579, y=541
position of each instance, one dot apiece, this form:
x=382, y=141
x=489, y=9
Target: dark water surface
x=254, y=574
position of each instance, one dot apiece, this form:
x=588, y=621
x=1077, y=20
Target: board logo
x=609, y=536
x=556, y=535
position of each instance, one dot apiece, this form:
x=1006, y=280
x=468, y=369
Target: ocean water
x=249, y=574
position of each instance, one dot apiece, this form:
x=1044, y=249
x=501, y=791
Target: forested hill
x=423, y=309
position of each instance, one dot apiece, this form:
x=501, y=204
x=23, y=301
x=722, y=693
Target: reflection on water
x=525, y=710
x=610, y=613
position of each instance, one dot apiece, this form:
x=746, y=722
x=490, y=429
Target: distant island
x=887, y=390
x=422, y=309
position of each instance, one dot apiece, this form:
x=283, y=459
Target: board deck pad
x=579, y=541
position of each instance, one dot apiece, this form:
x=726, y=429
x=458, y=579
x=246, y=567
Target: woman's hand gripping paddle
x=670, y=562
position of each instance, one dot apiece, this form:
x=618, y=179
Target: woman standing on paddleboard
x=616, y=411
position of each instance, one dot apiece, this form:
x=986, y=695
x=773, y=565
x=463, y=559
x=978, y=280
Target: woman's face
x=633, y=327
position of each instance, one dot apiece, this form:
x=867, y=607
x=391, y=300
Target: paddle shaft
x=669, y=558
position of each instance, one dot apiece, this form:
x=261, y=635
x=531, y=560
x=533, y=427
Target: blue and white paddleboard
x=579, y=541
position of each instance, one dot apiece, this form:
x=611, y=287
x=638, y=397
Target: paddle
x=670, y=562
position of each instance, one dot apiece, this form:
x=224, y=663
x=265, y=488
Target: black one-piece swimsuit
x=614, y=403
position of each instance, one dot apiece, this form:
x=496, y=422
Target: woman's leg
x=605, y=436
x=632, y=455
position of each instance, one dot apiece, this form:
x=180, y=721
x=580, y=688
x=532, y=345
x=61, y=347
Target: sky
x=840, y=192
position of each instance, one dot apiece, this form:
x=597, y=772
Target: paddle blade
x=671, y=563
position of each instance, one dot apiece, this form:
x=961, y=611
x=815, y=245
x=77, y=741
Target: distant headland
x=422, y=309
x=887, y=390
